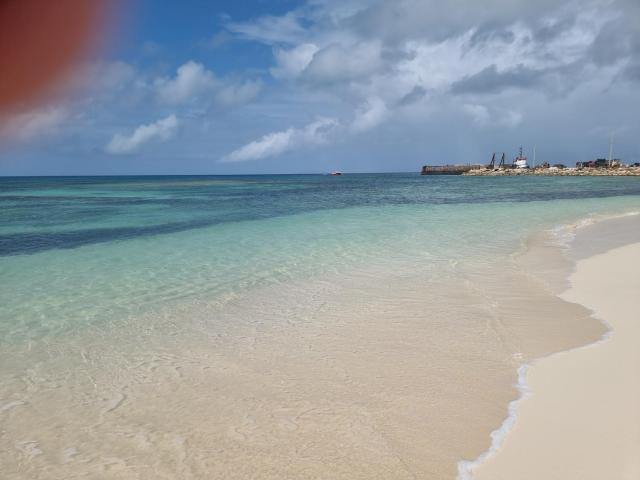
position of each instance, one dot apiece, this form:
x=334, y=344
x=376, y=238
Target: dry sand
x=581, y=419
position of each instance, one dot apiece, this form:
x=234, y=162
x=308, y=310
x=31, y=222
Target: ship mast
x=534, y=156
x=611, y=150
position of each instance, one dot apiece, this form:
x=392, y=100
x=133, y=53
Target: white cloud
x=94, y=85
x=432, y=66
x=369, y=115
x=191, y=80
x=292, y=62
x=31, y=125
x=362, y=58
x=510, y=118
x=276, y=143
x=162, y=130
x=483, y=116
x=271, y=29
x=338, y=62
x=479, y=114
x=237, y=94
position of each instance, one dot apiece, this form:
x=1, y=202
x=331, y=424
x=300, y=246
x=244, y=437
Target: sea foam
x=466, y=467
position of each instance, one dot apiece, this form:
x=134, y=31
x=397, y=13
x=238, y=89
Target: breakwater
x=554, y=171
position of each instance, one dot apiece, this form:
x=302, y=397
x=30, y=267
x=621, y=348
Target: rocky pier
x=555, y=172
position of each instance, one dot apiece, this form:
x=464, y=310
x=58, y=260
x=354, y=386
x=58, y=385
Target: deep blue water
x=44, y=213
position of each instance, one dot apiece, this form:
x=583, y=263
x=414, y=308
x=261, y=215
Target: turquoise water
x=274, y=326
x=79, y=251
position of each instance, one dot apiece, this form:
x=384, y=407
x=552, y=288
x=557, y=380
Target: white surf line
x=466, y=467
x=565, y=234
x=498, y=436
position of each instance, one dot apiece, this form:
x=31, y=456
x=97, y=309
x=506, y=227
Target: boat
x=336, y=173
x=520, y=161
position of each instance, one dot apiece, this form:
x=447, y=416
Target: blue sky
x=358, y=85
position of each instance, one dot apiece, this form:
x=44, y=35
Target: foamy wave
x=563, y=235
x=467, y=467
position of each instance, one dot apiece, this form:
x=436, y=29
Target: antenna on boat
x=611, y=149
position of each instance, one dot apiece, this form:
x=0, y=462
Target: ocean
x=275, y=326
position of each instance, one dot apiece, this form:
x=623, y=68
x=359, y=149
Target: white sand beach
x=581, y=419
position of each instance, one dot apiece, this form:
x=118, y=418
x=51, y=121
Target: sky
x=283, y=86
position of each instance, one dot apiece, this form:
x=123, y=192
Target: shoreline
x=467, y=468
x=527, y=427
x=363, y=373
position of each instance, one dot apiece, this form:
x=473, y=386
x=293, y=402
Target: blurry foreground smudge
x=41, y=41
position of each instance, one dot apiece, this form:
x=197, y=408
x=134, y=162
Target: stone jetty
x=556, y=172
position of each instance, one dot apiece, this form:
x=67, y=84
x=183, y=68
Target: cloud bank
x=34, y=124
x=194, y=83
x=386, y=58
x=159, y=131
x=391, y=84
x=277, y=143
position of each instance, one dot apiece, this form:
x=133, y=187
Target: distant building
x=599, y=163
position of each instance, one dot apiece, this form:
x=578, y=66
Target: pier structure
x=448, y=169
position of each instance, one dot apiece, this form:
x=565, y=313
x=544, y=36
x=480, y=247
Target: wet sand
x=393, y=373
x=581, y=419
x=380, y=375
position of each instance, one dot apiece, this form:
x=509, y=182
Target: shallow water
x=273, y=326
x=79, y=250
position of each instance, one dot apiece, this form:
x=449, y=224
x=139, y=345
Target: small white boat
x=335, y=173
x=520, y=161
